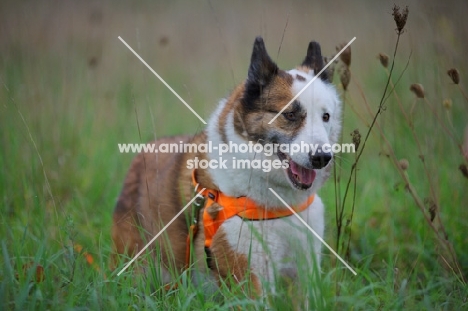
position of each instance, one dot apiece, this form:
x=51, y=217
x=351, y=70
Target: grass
x=70, y=92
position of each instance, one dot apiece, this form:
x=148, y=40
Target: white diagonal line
x=313, y=79
x=162, y=80
x=313, y=231
x=159, y=233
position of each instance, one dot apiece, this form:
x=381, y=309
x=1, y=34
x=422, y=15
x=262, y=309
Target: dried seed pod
x=400, y=17
x=346, y=55
x=417, y=89
x=403, y=164
x=431, y=207
x=432, y=211
x=454, y=75
x=383, y=59
x=356, y=136
x=345, y=77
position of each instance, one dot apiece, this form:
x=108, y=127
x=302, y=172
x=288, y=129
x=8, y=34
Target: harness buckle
x=197, y=204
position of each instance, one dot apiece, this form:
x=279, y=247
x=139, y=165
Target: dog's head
x=313, y=118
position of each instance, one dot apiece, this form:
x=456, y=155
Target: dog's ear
x=314, y=60
x=261, y=71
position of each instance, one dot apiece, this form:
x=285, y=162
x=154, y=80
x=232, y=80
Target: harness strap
x=243, y=207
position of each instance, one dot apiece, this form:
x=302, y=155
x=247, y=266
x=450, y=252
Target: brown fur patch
x=274, y=97
x=125, y=219
x=157, y=186
x=231, y=264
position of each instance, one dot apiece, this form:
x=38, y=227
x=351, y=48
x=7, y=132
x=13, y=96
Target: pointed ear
x=262, y=69
x=314, y=60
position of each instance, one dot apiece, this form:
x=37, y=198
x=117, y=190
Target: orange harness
x=231, y=206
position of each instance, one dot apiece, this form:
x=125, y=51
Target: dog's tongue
x=304, y=175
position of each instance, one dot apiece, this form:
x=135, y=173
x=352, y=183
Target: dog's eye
x=291, y=116
x=325, y=117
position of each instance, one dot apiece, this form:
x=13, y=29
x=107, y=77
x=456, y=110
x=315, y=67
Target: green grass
x=60, y=171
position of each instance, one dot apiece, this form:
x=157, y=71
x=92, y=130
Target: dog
x=264, y=243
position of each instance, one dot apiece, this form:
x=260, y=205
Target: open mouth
x=302, y=178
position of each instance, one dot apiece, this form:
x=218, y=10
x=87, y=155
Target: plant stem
x=374, y=120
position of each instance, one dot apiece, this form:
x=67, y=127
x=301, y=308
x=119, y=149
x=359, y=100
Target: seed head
x=432, y=207
x=383, y=59
x=400, y=17
x=403, y=164
x=346, y=55
x=345, y=77
x=417, y=89
x=447, y=103
x=356, y=136
x=454, y=75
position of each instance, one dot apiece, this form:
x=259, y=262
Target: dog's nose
x=320, y=159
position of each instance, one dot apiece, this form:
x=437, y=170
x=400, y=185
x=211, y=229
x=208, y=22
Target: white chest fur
x=278, y=247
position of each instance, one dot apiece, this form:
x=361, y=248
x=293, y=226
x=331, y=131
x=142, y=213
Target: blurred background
x=70, y=91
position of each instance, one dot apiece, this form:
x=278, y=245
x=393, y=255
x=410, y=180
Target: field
x=70, y=91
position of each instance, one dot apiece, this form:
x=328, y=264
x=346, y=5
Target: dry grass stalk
x=429, y=211
x=345, y=77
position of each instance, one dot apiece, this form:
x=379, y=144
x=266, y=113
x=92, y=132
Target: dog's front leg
x=232, y=261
